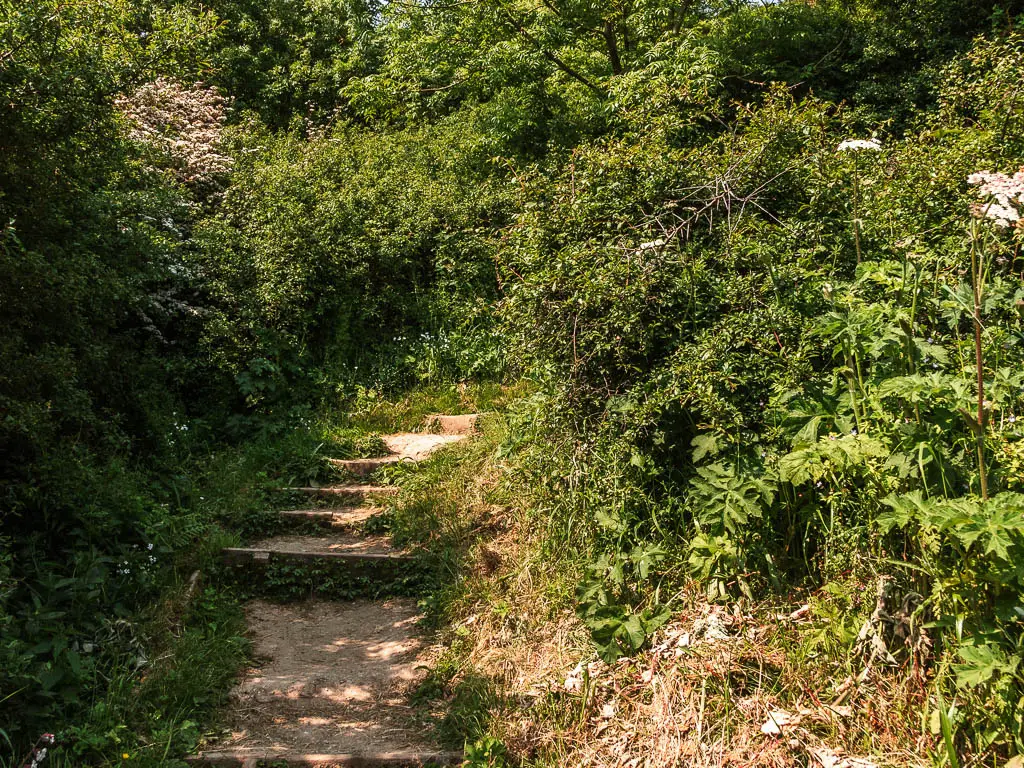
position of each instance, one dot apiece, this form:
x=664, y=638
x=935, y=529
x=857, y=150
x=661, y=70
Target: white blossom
x=186, y=122
x=1001, y=186
x=1002, y=193
x=858, y=144
x=1003, y=215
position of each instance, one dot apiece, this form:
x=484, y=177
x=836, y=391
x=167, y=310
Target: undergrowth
x=158, y=677
x=521, y=676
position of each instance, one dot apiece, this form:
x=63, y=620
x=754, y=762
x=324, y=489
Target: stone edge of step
x=354, y=760
x=260, y=554
x=441, y=422
x=338, y=516
x=354, y=465
x=354, y=490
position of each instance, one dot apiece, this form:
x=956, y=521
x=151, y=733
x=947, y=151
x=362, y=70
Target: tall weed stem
x=977, y=275
x=856, y=208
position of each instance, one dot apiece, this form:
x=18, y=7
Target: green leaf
x=704, y=445
x=632, y=631
x=657, y=617
x=808, y=433
x=833, y=453
x=981, y=663
x=610, y=519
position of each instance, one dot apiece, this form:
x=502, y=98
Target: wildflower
x=39, y=752
x=999, y=185
x=1003, y=194
x=859, y=144
x=1002, y=215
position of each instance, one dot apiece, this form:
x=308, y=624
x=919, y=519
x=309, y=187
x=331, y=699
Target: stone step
x=404, y=446
x=348, y=492
x=363, y=467
x=363, y=760
x=464, y=424
x=417, y=446
x=260, y=555
x=345, y=547
x=335, y=517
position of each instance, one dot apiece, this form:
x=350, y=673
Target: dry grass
x=703, y=695
x=714, y=680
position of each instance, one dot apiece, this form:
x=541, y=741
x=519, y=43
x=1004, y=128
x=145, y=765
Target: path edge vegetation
x=759, y=265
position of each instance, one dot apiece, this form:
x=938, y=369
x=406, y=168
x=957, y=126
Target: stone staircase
x=333, y=678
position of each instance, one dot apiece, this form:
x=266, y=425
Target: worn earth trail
x=333, y=679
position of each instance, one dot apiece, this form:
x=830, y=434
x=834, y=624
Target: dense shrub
x=91, y=314
x=756, y=344
x=352, y=250
x=763, y=343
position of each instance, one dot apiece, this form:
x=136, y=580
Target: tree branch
x=613, y=47
x=553, y=58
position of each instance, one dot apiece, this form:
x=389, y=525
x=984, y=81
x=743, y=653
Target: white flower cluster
x=39, y=753
x=185, y=122
x=859, y=144
x=1004, y=194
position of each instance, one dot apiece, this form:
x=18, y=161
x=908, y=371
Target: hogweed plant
x=1000, y=197
x=856, y=146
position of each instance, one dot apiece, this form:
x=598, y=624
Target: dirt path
x=333, y=678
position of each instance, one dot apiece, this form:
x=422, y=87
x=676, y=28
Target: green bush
x=351, y=258
x=756, y=354
x=763, y=344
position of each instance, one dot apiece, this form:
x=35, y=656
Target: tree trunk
x=613, y=48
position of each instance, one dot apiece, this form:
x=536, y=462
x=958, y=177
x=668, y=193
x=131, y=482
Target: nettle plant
x=608, y=594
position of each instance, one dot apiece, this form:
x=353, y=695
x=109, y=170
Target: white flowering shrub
x=186, y=123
